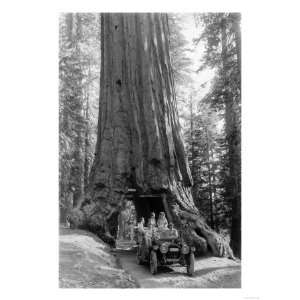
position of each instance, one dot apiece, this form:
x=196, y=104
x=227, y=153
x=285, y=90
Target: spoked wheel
x=153, y=262
x=191, y=264
x=138, y=256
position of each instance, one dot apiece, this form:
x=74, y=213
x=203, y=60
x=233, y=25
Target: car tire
x=153, y=262
x=191, y=264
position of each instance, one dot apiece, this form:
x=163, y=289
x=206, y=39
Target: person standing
x=173, y=231
x=152, y=222
x=131, y=229
x=141, y=224
x=162, y=221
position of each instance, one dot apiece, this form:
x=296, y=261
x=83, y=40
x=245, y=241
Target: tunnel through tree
x=146, y=204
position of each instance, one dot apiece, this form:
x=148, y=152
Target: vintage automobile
x=163, y=247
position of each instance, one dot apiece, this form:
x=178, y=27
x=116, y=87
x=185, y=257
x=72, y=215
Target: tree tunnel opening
x=137, y=206
x=146, y=204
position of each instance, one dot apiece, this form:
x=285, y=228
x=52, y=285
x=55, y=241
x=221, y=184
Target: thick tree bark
x=77, y=170
x=139, y=145
x=236, y=154
x=211, y=200
x=232, y=128
x=218, y=245
x=86, y=145
x=192, y=134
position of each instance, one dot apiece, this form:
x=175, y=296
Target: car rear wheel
x=153, y=262
x=191, y=264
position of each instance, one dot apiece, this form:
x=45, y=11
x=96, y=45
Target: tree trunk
x=214, y=193
x=139, y=144
x=77, y=170
x=192, y=137
x=87, y=145
x=236, y=153
x=211, y=200
x=233, y=139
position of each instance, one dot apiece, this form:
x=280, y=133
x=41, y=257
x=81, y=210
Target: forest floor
x=210, y=272
x=85, y=261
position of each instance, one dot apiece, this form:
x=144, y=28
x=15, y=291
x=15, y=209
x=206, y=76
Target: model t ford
x=162, y=246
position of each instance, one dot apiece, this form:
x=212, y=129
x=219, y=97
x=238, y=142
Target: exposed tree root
x=200, y=242
x=218, y=245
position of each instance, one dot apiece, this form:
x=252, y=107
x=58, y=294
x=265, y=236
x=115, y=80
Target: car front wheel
x=153, y=262
x=191, y=264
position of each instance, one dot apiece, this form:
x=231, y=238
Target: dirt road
x=210, y=272
x=86, y=262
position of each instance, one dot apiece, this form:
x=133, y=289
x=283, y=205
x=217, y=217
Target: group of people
x=126, y=222
x=161, y=224
x=127, y=225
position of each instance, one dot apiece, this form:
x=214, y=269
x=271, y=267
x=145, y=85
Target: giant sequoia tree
x=139, y=151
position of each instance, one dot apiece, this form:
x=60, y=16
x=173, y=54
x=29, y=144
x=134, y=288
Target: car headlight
x=185, y=249
x=164, y=248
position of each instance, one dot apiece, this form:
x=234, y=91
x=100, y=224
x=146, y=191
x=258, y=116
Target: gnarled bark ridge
x=139, y=143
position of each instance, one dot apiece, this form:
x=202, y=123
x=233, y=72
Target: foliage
x=212, y=125
x=79, y=64
x=180, y=60
x=222, y=40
